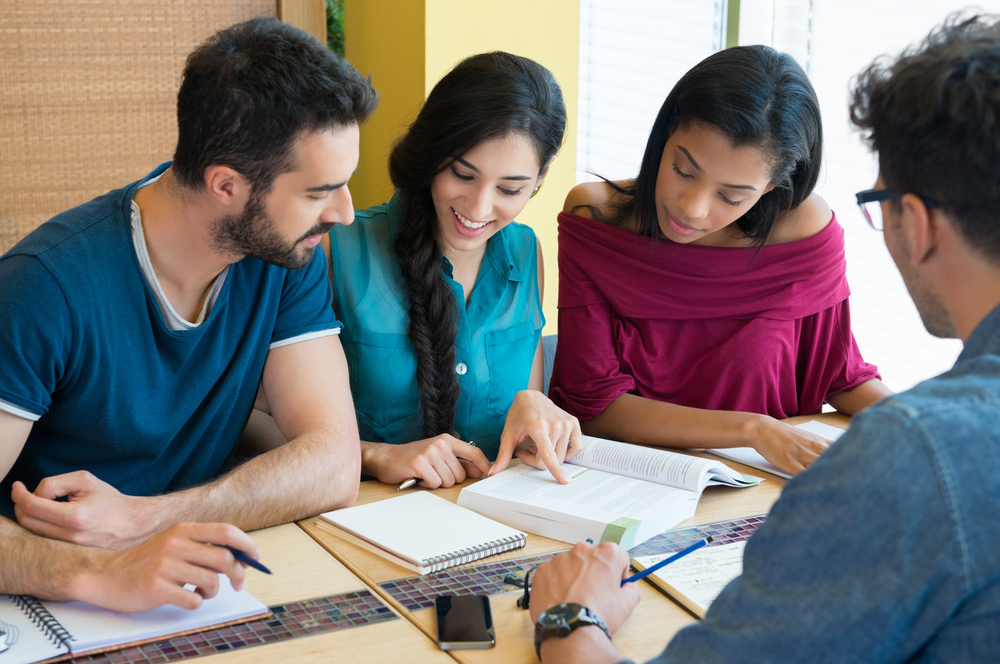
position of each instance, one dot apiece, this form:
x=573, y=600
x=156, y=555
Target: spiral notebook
x=422, y=532
x=32, y=630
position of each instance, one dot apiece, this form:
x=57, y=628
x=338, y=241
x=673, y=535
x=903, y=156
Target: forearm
x=586, y=644
x=306, y=476
x=860, y=397
x=44, y=568
x=649, y=422
x=372, y=458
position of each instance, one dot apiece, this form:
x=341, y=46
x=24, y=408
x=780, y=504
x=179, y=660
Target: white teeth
x=465, y=222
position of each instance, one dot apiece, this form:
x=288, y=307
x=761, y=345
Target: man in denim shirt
x=888, y=548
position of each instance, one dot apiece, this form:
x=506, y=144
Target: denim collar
x=985, y=339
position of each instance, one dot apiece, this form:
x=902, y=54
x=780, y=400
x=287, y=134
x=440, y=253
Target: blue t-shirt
x=85, y=348
x=498, y=331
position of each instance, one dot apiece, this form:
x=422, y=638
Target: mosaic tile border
x=418, y=592
x=290, y=621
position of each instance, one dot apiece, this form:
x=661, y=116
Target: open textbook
x=696, y=579
x=32, y=630
x=617, y=493
x=748, y=456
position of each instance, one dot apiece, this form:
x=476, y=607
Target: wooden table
x=303, y=570
x=644, y=634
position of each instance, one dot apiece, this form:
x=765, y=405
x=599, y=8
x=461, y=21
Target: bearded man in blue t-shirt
x=136, y=329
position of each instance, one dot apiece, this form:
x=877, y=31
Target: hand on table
x=437, y=461
x=540, y=433
x=590, y=576
x=95, y=514
x=789, y=448
x=154, y=572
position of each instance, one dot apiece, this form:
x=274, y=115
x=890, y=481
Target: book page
x=594, y=504
x=21, y=640
x=700, y=576
x=93, y=628
x=682, y=471
x=591, y=494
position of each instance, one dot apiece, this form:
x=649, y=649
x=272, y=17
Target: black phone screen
x=464, y=622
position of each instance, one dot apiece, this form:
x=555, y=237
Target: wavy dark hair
x=933, y=116
x=756, y=96
x=248, y=92
x=485, y=97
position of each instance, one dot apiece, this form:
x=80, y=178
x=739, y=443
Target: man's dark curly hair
x=250, y=90
x=933, y=116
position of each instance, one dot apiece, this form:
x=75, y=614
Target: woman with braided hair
x=440, y=290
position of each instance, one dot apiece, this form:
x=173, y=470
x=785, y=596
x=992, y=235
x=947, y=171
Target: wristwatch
x=561, y=620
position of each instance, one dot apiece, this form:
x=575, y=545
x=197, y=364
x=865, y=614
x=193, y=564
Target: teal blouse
x=498, y=331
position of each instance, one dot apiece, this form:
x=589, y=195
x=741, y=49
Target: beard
x=933, y=313
x=252, y=233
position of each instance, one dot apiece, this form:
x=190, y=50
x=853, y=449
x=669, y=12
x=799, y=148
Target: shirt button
x=460, y=368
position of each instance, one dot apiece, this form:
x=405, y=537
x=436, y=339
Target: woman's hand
x=540, y=433
x=789, y=448
x=441, y=461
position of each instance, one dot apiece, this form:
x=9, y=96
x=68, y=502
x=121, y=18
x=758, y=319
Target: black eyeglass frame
x=879, y=195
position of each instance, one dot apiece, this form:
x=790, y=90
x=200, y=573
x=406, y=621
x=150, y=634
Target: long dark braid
x=486, y=96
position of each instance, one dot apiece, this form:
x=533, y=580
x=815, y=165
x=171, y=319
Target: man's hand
x=540, y=433
x=437, y=461
x=96, y=514
x=154, y=573
x=590, y=576
x=789, y=448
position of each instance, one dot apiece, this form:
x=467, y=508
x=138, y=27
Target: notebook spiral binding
x=39, y=615
x=463, y=556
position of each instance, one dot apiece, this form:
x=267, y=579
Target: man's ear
x=920, y=227
x=227, y=186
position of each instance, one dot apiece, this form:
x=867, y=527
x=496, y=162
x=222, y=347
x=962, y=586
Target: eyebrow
x=508, y=177
x=695, y=164
x=331, y=187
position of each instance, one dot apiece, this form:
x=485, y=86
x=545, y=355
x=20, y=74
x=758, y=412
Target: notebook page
x=702, y=575
x=420, y=526
x=93, y=627
x=21, y=642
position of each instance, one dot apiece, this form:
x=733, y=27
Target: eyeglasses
x=869, y=201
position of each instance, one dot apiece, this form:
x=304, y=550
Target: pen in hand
x=246, y=560
x=680, y=554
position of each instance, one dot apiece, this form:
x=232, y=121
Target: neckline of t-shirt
x=174, y=321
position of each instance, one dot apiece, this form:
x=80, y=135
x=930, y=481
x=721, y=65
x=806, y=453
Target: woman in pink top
x=707, y=298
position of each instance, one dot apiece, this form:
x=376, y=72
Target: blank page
x=420, y=526
x=93, y=628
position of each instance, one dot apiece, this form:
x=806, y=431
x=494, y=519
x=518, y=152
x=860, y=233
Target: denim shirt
x=888, y=548
x=498, y=331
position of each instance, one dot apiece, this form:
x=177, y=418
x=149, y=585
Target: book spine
x=40, y=617
x=473, y=553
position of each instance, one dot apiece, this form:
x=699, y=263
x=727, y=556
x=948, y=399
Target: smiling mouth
x=471, y=225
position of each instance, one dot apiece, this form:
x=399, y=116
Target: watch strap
x=570, y=617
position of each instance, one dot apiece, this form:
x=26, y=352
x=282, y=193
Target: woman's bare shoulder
x=809, y=218
x=586, y=196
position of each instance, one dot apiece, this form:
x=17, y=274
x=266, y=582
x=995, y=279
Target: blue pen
x=244, y=558
x=680, y=554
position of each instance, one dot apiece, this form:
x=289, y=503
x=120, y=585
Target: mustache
x=321, y=228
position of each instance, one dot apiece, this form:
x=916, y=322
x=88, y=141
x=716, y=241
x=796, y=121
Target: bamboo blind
x=87, y=95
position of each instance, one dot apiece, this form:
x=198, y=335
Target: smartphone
x=464, y=622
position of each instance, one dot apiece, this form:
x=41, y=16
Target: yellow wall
x=407, y=45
